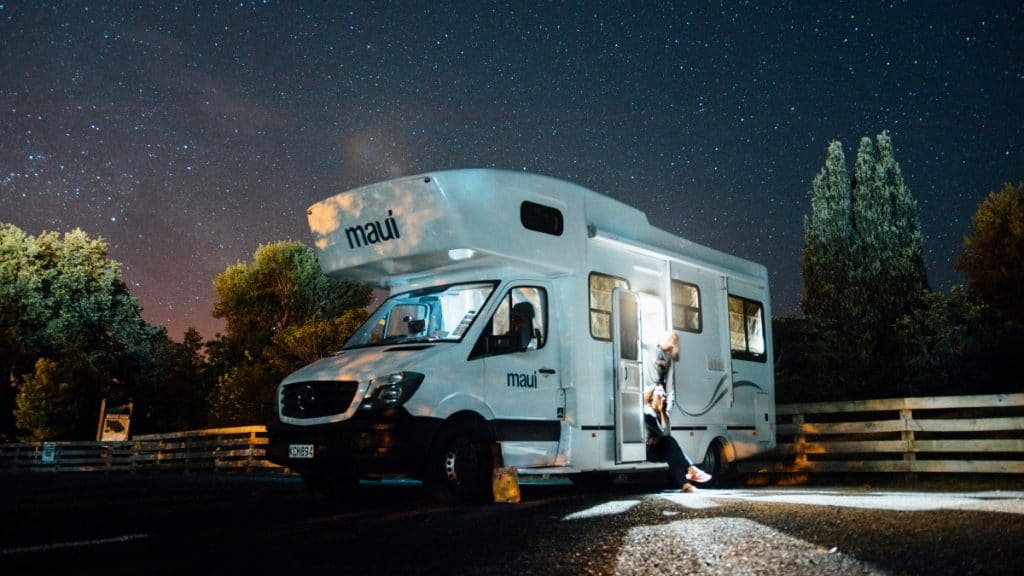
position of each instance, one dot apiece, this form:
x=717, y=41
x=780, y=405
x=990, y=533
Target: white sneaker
x=697, y=475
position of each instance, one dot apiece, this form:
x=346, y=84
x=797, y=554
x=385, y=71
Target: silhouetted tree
x=180, y=398
x=993, y=256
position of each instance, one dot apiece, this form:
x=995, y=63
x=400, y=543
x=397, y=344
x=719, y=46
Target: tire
x=460, y=465
x=714, y=463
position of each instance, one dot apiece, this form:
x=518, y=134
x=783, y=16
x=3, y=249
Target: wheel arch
x=463, y=434
x=718, y=459
x=473, y=419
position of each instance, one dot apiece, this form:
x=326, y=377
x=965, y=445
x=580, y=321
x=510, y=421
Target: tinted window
x=686, y=314
x=746, y=329
x=541, y=218
x=601, y=286
x=502, y=331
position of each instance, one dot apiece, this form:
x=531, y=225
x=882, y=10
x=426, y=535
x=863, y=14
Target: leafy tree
x=245, y=395
x=283, y=287
x=281, y=312
x=22, y=316
x=993, y=256
x=306, y=343
x=63, y=298
x=60, y=400
x=862, y=266
x=936, y=340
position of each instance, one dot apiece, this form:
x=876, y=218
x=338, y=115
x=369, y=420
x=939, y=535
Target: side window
x=540, y=218
x=686, y=314
x=601, y=286
x=746, y=329
x=519, y=324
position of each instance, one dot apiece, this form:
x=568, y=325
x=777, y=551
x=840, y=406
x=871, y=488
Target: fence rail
x=953, y=434
x=240, y=449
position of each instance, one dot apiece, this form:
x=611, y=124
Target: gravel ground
x=766, y=538
x=728, y=546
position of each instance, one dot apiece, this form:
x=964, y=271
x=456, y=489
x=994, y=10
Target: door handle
x=547, y=370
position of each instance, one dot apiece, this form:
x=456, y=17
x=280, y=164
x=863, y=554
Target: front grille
x=316, y=399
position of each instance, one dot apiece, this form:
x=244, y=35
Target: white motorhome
x=522, y=319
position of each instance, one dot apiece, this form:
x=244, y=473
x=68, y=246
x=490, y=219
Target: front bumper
x=389, y=443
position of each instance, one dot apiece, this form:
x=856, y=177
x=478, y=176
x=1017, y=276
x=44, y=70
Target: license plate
x=300, y=450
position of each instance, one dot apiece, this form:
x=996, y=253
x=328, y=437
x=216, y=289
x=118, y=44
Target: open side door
x=630, y=436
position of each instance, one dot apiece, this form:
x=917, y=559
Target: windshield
x=440, y=314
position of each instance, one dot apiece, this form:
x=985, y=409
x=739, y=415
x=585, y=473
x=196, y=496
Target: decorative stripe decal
x=717, y=394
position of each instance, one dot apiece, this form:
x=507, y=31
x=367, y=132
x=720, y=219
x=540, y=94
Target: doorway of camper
x=653, y=329
x=630, y=440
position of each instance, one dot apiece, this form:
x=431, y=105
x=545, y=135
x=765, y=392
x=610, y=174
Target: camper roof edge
x=425, y=222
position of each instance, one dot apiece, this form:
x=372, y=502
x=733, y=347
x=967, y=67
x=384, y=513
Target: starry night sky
x=187, y=134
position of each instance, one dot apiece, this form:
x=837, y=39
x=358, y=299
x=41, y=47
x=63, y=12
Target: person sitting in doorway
x=661, y=445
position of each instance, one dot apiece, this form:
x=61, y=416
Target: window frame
x=482, y=349
x=618, y=282
x=746, y=353
x=699, y=308
x=541, y=218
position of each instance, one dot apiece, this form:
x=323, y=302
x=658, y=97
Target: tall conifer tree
x=828, y=237
x=862, y=264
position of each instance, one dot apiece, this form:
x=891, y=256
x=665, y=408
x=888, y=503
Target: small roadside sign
x=49, y=455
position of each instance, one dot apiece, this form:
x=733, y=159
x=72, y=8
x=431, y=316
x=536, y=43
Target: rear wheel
x=460, y=465
x=714, y=463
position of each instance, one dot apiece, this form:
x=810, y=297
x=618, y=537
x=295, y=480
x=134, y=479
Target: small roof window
x=540, y=218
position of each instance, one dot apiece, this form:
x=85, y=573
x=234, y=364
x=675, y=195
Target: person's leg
x=687, y=470
x=678, y=462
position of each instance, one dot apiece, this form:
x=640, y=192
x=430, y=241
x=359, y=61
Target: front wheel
x=460, y=465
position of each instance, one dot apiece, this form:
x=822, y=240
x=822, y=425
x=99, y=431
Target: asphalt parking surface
x=174, y=524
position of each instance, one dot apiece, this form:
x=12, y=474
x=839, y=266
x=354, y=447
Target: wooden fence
x=956, y=434
x=239, y=449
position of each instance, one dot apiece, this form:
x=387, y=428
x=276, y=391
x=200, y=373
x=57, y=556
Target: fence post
x=909, y=452
x=799, y=441
x=252, y=448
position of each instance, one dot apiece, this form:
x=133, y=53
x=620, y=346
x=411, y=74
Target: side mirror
x=416, y=326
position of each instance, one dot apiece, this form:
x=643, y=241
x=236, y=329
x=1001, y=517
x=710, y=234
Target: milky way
x=187, y=134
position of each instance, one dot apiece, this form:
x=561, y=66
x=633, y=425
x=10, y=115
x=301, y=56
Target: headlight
x=391, y=391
